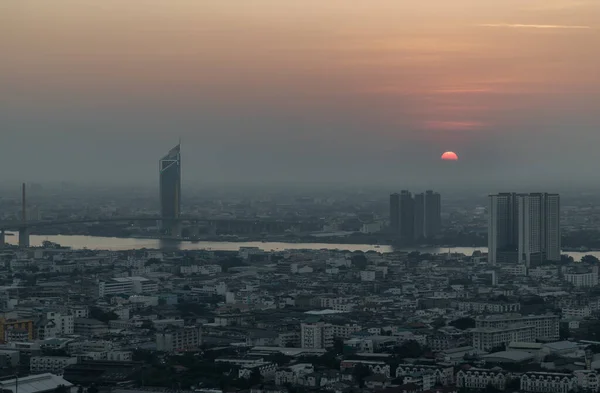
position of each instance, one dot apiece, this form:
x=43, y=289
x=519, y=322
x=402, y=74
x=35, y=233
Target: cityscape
x=404, y=313
x=317, y=196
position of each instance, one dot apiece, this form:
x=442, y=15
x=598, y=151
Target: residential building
x=523, y=228
x=587, y=380
x=582, y=279
x=115, y=286
x=477, y=378
x=432, y=214
x=546, y=326
x=402, y=215
x=316, y=335
x=50, y=364
x=543, y=382
x=90, y=327
x=488, y=306
x=290, y=374
x=126, y=286
x=486, y=339
x=14, y=326
x=444, y=375
x=188, y=337
x=395, y=213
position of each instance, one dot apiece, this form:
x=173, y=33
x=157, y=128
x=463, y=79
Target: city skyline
x=305, y=92
x=307, y=248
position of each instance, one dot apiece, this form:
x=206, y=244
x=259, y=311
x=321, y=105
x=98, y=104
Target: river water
x=116, y=244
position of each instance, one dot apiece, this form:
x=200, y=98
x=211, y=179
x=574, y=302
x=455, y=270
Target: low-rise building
x=444, y=375
x=316, y=335
x=477, y=378
x=546, y=326
x=50, y=364
x=188, y=337
x=489, y=338
x=548, y=382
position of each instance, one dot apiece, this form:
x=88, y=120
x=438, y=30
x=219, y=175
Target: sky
x=361, y=91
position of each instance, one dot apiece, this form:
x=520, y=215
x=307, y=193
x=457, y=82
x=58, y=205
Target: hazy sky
x=313, y=90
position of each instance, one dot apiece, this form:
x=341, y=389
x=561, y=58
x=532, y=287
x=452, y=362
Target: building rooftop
x=35, y=383
x=561, y=346
x=509, y=357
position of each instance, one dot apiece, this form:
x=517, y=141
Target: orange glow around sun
x=450, y=156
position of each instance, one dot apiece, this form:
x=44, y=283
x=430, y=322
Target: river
x=118, y=244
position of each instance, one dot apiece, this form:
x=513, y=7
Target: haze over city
x=361, y=92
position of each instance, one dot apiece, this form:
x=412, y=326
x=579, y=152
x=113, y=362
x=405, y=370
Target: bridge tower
x=23, y=230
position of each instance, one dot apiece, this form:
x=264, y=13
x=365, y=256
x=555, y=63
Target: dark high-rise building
x=407, y=216
x=433, y=214
x=524, y=228
x=395, y=212
x=419, y=203
x=427, y=214
x=402, y=214
x=170, y=187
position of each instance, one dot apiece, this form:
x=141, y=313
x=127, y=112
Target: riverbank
x=122, y=244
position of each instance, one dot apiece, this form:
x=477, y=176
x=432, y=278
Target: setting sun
x=450, y=156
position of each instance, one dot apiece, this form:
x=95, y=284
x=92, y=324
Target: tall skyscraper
x=433, y=214
x=524, y=228
x=407, y=216
x=502, y=228
x=419, y=203
x=415, y=218
x=170, y=188
x=553, y=234
x=395, y=213
x=402, y=214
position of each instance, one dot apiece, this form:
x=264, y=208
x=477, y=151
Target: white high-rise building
x=523, y=228
x=552, y=208
x=316, y=335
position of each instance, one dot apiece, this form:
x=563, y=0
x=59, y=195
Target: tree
x=438, y=323
x=359, y=261
x=590, y=259
x=97, y=313
x=147, y=325
x=408, y=349
x=491, y=389
x=279, y=358
x=338, y=346
x=360, y=372
x=463, y=323
x=80, y=389
x=152, y=261
x=255, y=377
x=231, y=262
x=92, y=389
x=532, y=300
x=566, y=259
